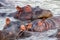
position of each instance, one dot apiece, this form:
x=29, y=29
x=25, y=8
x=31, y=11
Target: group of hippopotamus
x=30, y=19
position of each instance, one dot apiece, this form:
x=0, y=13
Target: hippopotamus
x=34, y=14
x=27, y=13
x=11, y=26
x=48, y=24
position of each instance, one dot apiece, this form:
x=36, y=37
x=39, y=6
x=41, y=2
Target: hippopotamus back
x=48, y=24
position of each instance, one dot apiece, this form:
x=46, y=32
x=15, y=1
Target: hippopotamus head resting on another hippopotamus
x=30, y=13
